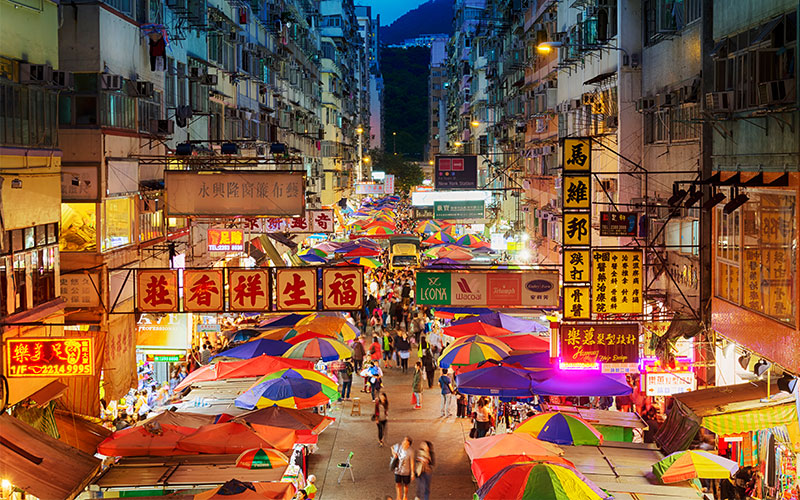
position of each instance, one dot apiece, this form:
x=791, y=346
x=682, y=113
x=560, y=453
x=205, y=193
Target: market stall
x=618, y=426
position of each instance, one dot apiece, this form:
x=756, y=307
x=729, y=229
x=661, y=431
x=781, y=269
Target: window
x=683, y=235
x=665, y=17
x=149, y=109
x=181, y=82
x=151, y=225
x=78, y=227
x=43, y=266
x=679, y=123
x=117, y=223
x=28, y=116
x=170, y=82
x=755, y=254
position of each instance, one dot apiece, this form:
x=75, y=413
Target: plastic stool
x=356, y=408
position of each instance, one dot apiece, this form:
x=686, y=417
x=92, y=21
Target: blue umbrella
x=311, y=258
x=255, y=348
x=556, y=382
x=495, y=379
x=530, y=360
x=288, y=320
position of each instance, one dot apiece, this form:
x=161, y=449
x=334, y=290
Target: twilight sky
x=390, y=9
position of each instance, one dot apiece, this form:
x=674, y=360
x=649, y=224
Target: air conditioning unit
x=252, y=47
x=776, y=92
x=145, y=89
x=63, y=80
x=241, y=39
x=162, y=127
x=574, y=104
x=111, y=82
x=719, y=101
x=195, y=73
x=209, y=80
x=41, y=74
x=612, y=122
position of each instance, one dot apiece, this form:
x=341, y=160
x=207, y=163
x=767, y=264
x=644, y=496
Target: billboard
x=471, y=209
x=234, y=194
x=296, y=289
x=618, y=224
x=369, y=188
x=594, y=343
x=617, y=281
x=388, y=184
x=314, y=221
x=49, y=357
x=529, y=289
x=225, y=240
x=428, y=198
x=456, y=172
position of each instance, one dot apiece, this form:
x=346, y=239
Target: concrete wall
x=731, y=16
x=30, y=34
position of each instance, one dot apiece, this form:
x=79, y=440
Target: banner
x=296, y=289
x=49, y=357
x=577, y=155
x=248, y=290
x=472, y=209
x=234, y=194
x=576, y=302
x=530, y=289
x=314, y=221
x=456, y=172
x=619, y=224
x=369, y=188
x=576, y=266
x=576, y=192
x=590, y=344
x=669, y=383
x=202, y=290
x=343, y=288
x=617, y=281
x=577, y=229
x=157, y=290
x=388, y=184
x=225, y=240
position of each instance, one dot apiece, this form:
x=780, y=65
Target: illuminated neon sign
x=49, y=357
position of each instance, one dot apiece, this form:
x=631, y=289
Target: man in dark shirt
x=447, y=393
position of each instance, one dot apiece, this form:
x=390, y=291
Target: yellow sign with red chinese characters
x=49, y=357
x=576, y=302
x=343, y=288
x=202, y=290
x=296, y=289
x=248, y=290
x=157, y=290
x=617, y=281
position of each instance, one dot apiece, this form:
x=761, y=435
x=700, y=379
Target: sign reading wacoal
x=592, y=343
x=235, y=194
x=49, y=357
x=456, y=172
x=488, y=288
x=470, y=209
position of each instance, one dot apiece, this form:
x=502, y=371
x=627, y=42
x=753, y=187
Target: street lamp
x=547, y=47
x=458, y=144
x=475, y=123
x=394, y=143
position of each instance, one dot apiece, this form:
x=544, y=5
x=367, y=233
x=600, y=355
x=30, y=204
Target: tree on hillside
x=407, y=174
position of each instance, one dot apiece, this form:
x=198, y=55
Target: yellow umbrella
x=328, y=325
x=275, y=333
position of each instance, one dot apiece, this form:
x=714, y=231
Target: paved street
x=374, y=481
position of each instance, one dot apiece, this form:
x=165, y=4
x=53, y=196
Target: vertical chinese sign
x=248, y=290
x=617, y=281
x=576, y=226
x=202, y=290
x=343, y=288
x=157, y=290
x=590, y=344
x=296, y=289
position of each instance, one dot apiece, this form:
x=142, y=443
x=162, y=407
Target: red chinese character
x=21, y=353
x=250, y=223
x=156, y=292
x=274, y=224
x=322, y=220
x=249, y=286
x=298, y=223
x=296, y=291
x=342, y=290
x=202, y=290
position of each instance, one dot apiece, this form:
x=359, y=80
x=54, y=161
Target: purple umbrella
x=558, y=382
x=328, y=246
x=495, y=379
x=510, y=323
x=445, y=262
x=530, y=360
x=255, y=348
x=481, y=250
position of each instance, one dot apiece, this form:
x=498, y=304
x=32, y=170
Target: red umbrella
x=525, y=342
x=306, y=336
x=287, y=418
x=476, y=328
x=432, y=240
x=485, y=468
x=254, y=367
x=149, y=440
x=362, y=252
x=235, y=437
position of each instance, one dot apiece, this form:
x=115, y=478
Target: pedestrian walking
x=447, y=392
x=388, y=344
x=358, y=354
x=430, y=367
x=404, y=468
x=416, y=385
x=461, y=405
x=483, y=417
x=375, y=350
x=346, y=378
x=381, y=416
x=403, y=348
x=424, y=468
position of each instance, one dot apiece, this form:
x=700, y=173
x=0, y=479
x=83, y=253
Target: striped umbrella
x=380, y=222
x=362, y=252
x=561, y=428
x=379, y=231
x=455, y=254
x=368, y=262
x=427, y=226
x=432, y=240
x=291, y=388
x=319, y=347
x=444, y=236
x=482, y=339
x=469, y=240
x=299, y=337
x=690, y=464
x=469, y=353
x=312, y=258
x=316, y=251
x=540, y=481
x=262, y=458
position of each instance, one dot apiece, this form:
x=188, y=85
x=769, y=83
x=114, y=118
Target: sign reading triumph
x=488, y=288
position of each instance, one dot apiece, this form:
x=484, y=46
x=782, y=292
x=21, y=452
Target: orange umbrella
x=235, y=437
x=306, y=336
x=455, y=254
x=238, y=490
x=275, y=333
x=510, y=444
x=149, y=440
x=287, y=418
x=241, y=368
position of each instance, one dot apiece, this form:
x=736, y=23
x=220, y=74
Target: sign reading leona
x=235, y=194
x=49, y=357
x=488, y=288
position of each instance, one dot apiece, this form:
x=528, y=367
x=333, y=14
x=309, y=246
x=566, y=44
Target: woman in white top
x=483, y=417
x=404, y=471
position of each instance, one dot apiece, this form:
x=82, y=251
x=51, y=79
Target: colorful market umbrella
x=327, y=246
x=254, y=348
x=530, y=360
x=483, y=339
x=362, y=252
x=148, y=440
x=236, y=437
x=328, y=349
x=689, y=464
x=381, y=222
x=288, y=418
x=484, y=468
x=500, y=320
x=432, y=240
x=241, y=368
x=427, y=226
x=297, y=338
x=312, y=258
x=455, y=254
x=540, y=481
x=525, y=342
x=510, y=444
x=561, y=428
x=261, y=458
x=282, y=320
x=367, y=262
x=315, y=251
x=238, y=490
x=557, y=382
x=495, y=379
x=478, y=328
x=470, y=352
x=469, y=240
x=444, y=236
x=289, y=389
x=381, y=231
x=331, y=325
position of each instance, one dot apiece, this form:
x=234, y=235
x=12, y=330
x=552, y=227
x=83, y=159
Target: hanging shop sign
x=342, y=289
x=618, y=224
x=576, y=265
x=576, y=192
x=314, y=221
x=225, y=240
x=388, y=184
x=49, y=357
x=200, y=328
x=470, y=209
x=235, y=194
x=157, y=290
x=202, y=290
x=617, y=281
x=531, y=289
x=577, y=155
x=296, y=289
x=577, y=229
x=248, y=290
x=422, y=213
x=576, y=302
x=369, y=188
x=81, y=290
x=593, y=343
x=669, y=383
x=456, y=172
x=163, y=332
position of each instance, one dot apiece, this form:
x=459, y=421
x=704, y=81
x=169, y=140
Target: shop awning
x=751, y=420
x=40, y=465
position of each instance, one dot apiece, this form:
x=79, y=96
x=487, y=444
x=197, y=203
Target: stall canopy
x=726, y=410
x=557, y=382
x=28, y=455
x=510, y=323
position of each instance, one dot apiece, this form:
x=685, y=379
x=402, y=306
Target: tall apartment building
x=372, y=84
x=437, y=100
